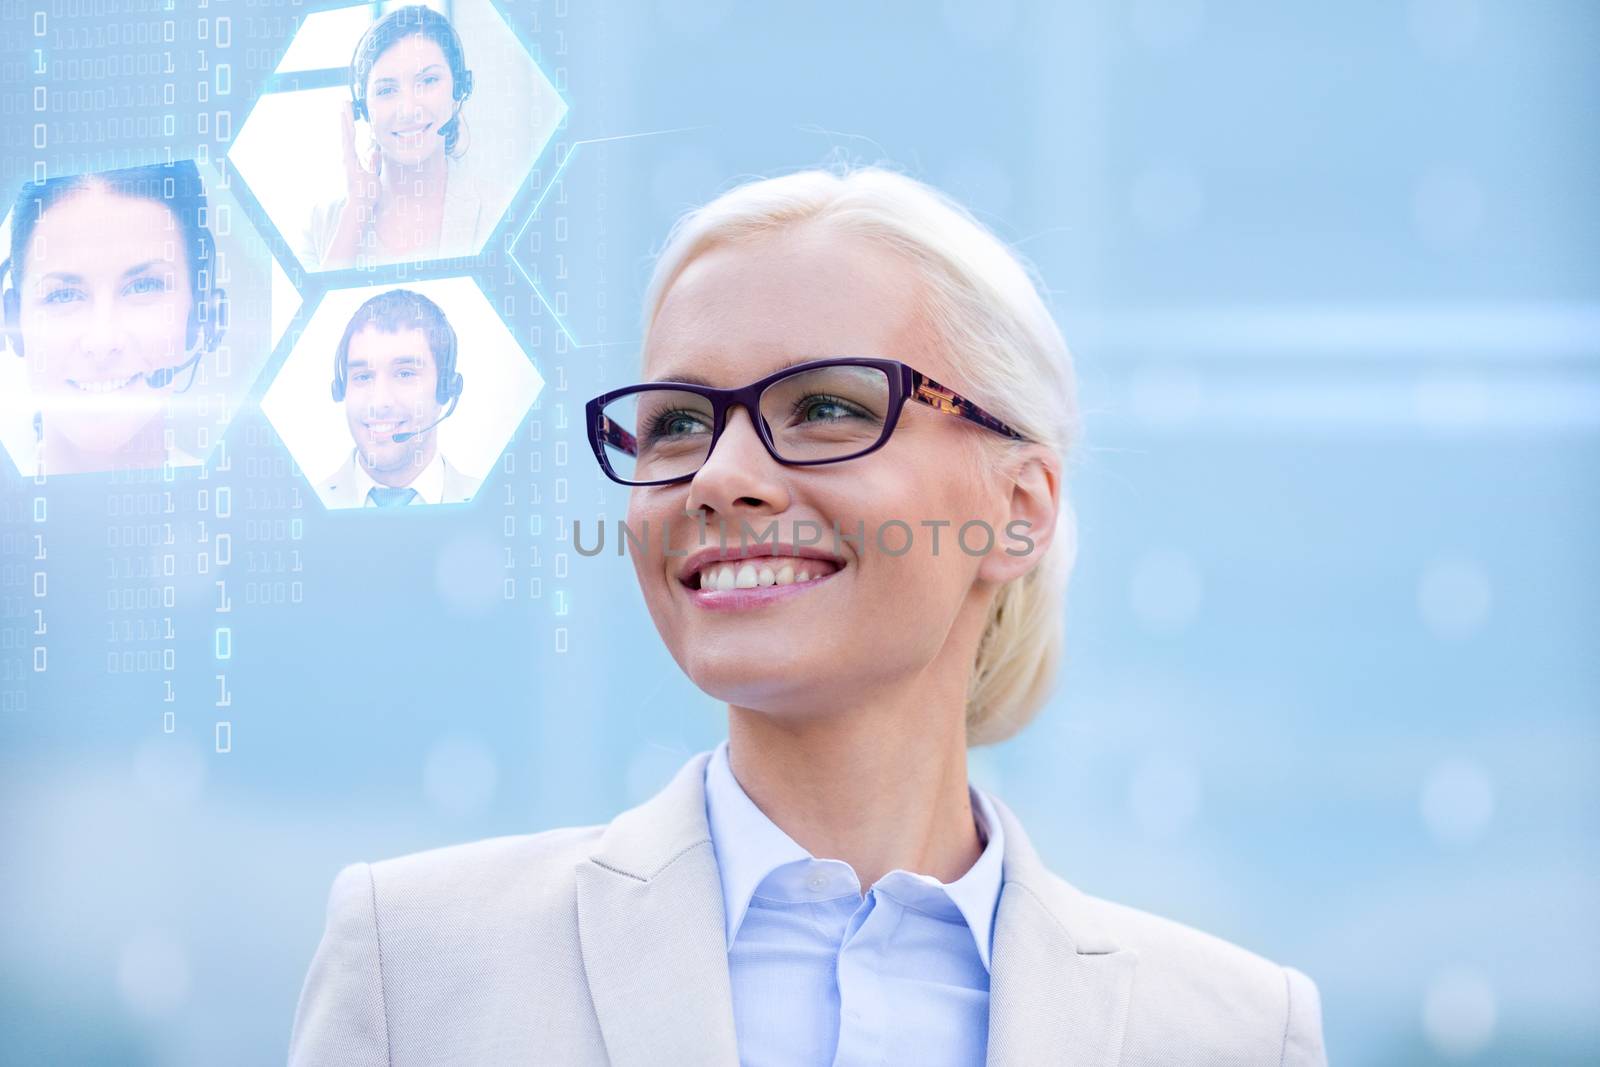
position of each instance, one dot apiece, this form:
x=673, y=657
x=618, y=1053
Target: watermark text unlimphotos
x=893, y=537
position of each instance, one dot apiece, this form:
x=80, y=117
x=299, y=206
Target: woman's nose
x=739, y=472
x=102, y=336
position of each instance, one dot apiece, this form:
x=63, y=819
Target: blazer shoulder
x=517, y=870
x=426, y=952
x=339, y=478
x=1197, y=991
x=500, y=913
x=459, y=486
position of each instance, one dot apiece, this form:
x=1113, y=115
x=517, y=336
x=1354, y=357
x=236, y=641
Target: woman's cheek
x=643, y=542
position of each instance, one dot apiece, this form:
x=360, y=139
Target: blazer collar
x=1060, y=984
x=652, y=929
x=650, y=925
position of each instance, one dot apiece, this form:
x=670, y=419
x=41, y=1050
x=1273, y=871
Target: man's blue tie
x=385, y=497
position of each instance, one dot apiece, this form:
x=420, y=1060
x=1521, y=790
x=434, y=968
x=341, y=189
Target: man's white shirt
x=429, y=483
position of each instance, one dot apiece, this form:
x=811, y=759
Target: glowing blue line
x=533, y=212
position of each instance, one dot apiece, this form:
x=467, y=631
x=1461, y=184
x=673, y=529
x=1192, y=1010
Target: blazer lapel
x=340, y=488
x=1059, y=985
x=651, y=928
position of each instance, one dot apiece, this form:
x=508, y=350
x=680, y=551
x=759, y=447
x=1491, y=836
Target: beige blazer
x=606, y=945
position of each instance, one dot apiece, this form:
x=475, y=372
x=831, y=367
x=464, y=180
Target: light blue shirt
x=823, y=975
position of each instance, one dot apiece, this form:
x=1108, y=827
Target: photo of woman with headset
x=822, y=352
x=111, y=299
x=407, y=193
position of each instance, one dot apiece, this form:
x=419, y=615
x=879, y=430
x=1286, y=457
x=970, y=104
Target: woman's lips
x=737, y=599
x=101, y=386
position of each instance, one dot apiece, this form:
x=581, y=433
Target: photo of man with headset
x=395, y=372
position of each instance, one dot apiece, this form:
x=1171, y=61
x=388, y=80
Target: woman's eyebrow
x=430, y=66
x=68, y=276
x=695, y=379
x=681, y=379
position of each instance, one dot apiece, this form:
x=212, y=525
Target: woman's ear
x=1032, y=516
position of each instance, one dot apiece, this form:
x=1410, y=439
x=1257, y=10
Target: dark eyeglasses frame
x=905, y=383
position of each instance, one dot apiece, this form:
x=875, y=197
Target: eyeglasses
x=820, y=411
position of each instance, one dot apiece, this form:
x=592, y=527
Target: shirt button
x=817, y=881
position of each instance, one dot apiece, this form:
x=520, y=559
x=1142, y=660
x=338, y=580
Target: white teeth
x=105, y=385
x=720, y=576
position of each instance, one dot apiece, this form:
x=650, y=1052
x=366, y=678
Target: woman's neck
x=881, y=786
x=58, y=454
x=426, y=180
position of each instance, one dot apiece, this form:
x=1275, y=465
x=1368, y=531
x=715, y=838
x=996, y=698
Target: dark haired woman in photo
x=111, y=300
x=408, y=196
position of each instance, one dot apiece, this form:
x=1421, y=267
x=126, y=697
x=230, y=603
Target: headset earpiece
x=448, y=386
x=13, y=319
x=358, y=99
x=213, y=319
x=338, y=377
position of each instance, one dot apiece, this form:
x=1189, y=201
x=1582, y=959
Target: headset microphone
x=158, y=379
x=208, y=332
x=404, y=436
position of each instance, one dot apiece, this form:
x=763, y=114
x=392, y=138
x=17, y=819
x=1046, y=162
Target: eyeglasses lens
x=818, y=414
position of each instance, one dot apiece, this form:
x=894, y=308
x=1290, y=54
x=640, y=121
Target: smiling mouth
x=758, y=573
x=413, y=133
x=383, y=429
x=101, y=386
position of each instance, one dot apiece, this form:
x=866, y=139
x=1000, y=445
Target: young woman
x=406, y=196
x=823, y=352
x=110, y=300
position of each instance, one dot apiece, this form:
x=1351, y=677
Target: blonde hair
x=983, y=303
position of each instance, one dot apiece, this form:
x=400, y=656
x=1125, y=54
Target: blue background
x=1332, y=692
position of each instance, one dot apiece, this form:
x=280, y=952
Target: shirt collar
x=429, y=482
x=460, y=182
x=749, y=846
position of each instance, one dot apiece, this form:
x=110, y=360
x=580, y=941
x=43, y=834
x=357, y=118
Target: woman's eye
x=147, y=283
x=826, y=409
x=674, y=424
x=63, y=295
x=430, y=79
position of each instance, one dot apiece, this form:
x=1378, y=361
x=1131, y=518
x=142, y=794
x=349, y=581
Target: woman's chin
x=399, y=156
x=103, y=440
x=93, y=445
x=771, y=676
